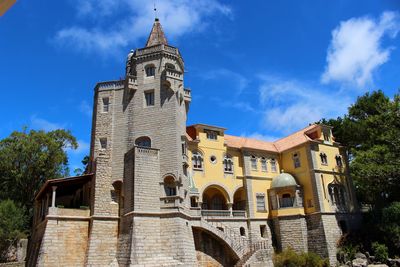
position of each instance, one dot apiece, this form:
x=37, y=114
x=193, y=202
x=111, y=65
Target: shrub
x=289, y=258
x=380, y=252
x=12, y=225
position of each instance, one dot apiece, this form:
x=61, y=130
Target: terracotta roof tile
x=294, y=139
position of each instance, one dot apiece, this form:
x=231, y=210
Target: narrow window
x=273, y=165
x=169, y=186
x=324, y=158
x=263, y=164
x=149, y=97
x=242, y=231
x=106, y=104
x=326, y=136
x=262, y=230
x=193, y=202
x=339, y=162
x=228, y=163
x=103, y=143
x=150, y=71
x=296, y=160
x=197, y=161
x=253, y=160
x=260, y=202
x=286, y=201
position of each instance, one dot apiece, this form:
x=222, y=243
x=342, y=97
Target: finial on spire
x=155, y=12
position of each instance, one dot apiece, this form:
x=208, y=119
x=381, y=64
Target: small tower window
x=150, y=71
x=263, y=164
x=149, y=98
x=212, y=135
x=103, y=143
x=106, y=104
x=197, y=161
x=169, y=186
x=324, y=158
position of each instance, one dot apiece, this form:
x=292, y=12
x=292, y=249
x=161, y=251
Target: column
x=53, y=197
x=230, y=208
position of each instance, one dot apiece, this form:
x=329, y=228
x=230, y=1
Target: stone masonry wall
x=292, y=233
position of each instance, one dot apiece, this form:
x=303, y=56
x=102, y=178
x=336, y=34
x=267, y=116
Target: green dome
x=283, y=180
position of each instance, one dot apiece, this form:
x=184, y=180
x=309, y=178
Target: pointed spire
x=157, y=35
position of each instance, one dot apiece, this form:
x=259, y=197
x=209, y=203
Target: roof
x=157, y=35
x=295, y=139
x=250, y=143
x=283, y=180
x=63, y=181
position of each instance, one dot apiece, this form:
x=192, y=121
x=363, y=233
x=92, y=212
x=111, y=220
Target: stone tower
x=138, y=155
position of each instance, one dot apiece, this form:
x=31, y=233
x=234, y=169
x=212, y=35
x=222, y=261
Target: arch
x=218, y=185
x=215, y=197
x=143, y=141
x=239, y=199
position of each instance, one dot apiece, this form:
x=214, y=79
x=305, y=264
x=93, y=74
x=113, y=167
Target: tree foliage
x=28, y=159
x=12, y=226
x=371, y=133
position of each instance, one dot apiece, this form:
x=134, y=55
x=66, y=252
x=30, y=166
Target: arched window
x=273, y=165
x=169, y=186
x=228, y=163
x=286, y=201
x=336, y=193
x=253, y=160
x=143, y=141
x=197, y=160
x=150, y=70
x=217, y=203
x=242, y=231
x=296, y=160
x=324, y=158
x=339, y=161
x=263, y=164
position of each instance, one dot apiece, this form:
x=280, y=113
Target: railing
x=131, y=81
x=216, y=213
x=239, y=213
x=147, y=150
x=171, y=73
x=156, y=48
x=187, y=92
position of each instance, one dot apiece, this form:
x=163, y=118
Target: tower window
x=263, y=164
x=197, y=160
x=339, y=162
x=169, y=186
x=103, y=143
x=106, y=104
x=324, y=158
x=260, y=202
x=150, y=71
x=149, y=97
x=228, y=163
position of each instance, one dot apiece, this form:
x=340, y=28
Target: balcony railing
x=216, y=213
x=239, y=213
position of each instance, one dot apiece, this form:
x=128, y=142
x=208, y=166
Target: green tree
x=28, y=159
x=370, y=131
x=12, y=226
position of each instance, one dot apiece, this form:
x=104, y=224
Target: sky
x=261, y=69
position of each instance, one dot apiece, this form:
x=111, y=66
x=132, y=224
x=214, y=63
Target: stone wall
x=291, y=231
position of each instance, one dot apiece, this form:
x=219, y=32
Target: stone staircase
x=240, y=245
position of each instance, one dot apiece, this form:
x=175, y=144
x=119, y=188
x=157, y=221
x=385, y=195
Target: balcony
x=131, y=82
x=216, y=213
x=187, y=95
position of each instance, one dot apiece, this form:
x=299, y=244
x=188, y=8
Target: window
x=150, y=71
x=263, y=230
x=242, y=231
x=106, y=104
x=273, y=165
x=149, y=97
x=324, y=158
x=169, y=66
x=337, y=194
x=169, y=186
x=193, y=202
x=103, y=143
x=260, y=202
x=326, y=136
x=213, y=159
x=197, y=160
x=228, y=163
x=263, y=164
x=143, y=141
x=286, y=201
x=253, y=160
x=296, y=160
x=212, y=135
x=339, y=162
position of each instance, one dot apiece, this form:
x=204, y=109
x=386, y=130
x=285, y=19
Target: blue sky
x=261, y=69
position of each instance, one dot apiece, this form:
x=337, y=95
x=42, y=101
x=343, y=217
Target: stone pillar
x=53, y=197
x=230, y=209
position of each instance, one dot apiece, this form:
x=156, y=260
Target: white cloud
x=42, y=124
x=132, y=20
x=290, y=105
x=260, y=136
x=356, y=49
x=83, y=148
x=239, y=80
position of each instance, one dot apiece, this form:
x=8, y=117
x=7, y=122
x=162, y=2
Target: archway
x=215, y=198
x=239, y=199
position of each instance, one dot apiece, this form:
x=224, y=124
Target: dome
x=283, y=180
